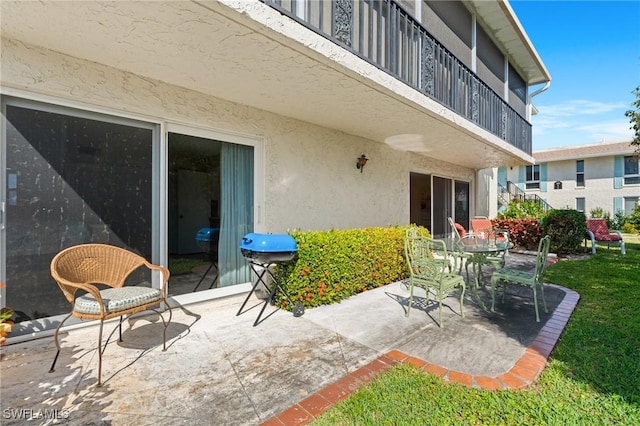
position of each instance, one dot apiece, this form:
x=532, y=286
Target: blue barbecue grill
x=207, y=239
x=263, y=251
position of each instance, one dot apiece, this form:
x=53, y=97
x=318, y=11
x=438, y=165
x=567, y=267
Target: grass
x=593, y=375
x=182, y=265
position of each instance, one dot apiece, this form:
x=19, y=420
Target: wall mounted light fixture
x=362, y=160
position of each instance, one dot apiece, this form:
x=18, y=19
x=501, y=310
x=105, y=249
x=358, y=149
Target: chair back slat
x=541, y=258
x=428, y=259
x=93, y=264
x=430, y=267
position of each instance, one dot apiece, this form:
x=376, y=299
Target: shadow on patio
x=220, y=369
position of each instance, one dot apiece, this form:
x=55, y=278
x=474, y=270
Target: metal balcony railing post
x=435, y=71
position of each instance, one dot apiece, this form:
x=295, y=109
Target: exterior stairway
x=512, y=192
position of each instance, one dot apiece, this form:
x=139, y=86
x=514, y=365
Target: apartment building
x=138, y=123
x=583, y=177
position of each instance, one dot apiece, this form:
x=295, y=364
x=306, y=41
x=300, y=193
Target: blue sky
x=592, y=51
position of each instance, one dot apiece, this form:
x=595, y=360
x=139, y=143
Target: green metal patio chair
x=430, y=268
x=461, y=238
x=500, y=238
x=524, y=278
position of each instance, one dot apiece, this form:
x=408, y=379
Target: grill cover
x=268, y=248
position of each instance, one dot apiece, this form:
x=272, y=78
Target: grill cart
x=263, y=251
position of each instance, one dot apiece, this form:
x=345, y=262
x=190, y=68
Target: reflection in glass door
x=420, y=199
x=462, y=203
x=72, y=177
x=210, y=209
x=442, y=206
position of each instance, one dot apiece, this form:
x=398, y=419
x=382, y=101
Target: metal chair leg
x=100, y=351
x=58, y=343
x=166, y=325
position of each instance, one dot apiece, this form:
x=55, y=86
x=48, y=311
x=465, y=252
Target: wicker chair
x=83, y=266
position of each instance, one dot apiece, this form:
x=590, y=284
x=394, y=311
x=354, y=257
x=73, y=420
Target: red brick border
x=526, y=370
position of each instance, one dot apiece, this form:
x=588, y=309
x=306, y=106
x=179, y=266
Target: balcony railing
x=384, y=34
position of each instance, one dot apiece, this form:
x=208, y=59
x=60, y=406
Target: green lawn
x=181, y=265
x=593, y=375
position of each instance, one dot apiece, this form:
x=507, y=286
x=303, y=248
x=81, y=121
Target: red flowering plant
x=524, y=233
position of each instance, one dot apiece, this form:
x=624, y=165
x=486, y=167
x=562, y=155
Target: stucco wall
x=310, y=180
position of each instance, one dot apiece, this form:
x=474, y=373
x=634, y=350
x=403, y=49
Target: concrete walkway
x=221, y=370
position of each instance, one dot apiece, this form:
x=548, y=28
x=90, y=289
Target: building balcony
x=384, y=80
x=385, y=35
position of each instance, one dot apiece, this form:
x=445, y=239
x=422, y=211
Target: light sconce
x=362, y=160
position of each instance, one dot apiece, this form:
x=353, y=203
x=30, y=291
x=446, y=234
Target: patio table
x=476, y=251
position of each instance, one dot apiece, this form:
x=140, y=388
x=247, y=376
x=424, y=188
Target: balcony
x=260, y=55
x=384, y=34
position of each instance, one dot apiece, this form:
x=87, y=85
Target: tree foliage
x=634, y=118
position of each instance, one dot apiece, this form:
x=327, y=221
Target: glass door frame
x=160, y=201
x=74, y=109
x=258, y=196
x=453, y=181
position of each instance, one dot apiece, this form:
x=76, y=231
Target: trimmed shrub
x=629, y=229
x=524, y=233
x=634, y=218
x=337, y=264
x=566, y=228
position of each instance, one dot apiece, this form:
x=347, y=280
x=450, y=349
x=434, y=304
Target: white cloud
x=580, y=107
x=592, y=120
x=580, y=132
x=579, y=122
x=608, y=130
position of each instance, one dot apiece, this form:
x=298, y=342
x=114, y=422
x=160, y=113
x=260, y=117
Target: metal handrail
x=513, y=193
x=384, y=34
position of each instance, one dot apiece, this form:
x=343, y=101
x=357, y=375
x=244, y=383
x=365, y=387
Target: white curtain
x=236, y=207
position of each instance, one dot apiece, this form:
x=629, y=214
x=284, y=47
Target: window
x=517, y=84
x=533, y=177
x=630, y=204
x=73, y=177
x=580, y=204
x=580, y=173
x=631, y=170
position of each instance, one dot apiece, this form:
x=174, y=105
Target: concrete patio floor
x=221, y=370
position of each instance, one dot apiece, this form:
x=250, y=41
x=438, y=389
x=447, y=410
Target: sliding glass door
x=433, y=199
x=69, y=177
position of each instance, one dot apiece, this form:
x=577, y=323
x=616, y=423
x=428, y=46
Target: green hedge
x=566, y=228
x=333, y=265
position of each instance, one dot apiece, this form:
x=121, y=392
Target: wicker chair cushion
x=117, y=299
